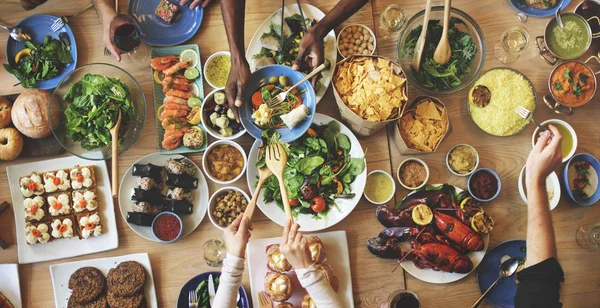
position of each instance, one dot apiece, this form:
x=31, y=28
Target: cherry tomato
x=294, y=202
x=307, y=192
x=317, y=204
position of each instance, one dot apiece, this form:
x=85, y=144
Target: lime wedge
x=195, y=89
x=189, y=55
x=191, y=73
x=194, y=102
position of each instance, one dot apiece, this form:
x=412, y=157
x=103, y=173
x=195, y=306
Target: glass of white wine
x=512, y=42
x=392, y=21
x=214, y=252
x=588, y=236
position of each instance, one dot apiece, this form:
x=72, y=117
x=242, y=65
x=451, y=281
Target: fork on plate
x=526, y=113
x=62, y=21
x=279, y=98
x=264, y=301
x=193, y=299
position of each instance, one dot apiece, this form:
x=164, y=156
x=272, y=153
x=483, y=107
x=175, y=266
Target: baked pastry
x=30, y=185
x=82, y=177
x=317, y=250
x=88, y=284
x=37, y=233
x=127, y=279
x=62, y=227
x=89, y=225
x=133, y=301
x=34, y=208
x=59, y=204
x=11, y=143
x=5, y=108
x=276, y=261
x=56, y=181
x=278, y=286
x=328, y=273
x=99, y=302
x=30, y=113
x=285, y=305
x=307, y=302
x=84, y=200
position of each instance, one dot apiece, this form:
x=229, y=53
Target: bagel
x=5, y=107
x=11, y=143
x=30, y=113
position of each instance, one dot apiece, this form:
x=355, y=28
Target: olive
x=218, y=108
x=273, y=79
x=284, y=81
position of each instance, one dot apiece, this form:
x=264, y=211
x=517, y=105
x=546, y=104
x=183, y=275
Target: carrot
x=257, y=99
x=311, y=132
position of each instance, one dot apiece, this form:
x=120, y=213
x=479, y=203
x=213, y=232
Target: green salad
x=319, y=170
x=436, y=76
x=93, y=109
x=41, y=61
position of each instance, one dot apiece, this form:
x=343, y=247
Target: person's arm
x=106, y=13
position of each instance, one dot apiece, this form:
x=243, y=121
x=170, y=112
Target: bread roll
x=11, y=143
x=30, y=113
x=5, y=107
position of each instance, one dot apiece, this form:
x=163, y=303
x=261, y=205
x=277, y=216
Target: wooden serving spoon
x=443, y=52
x=114, y=132
x=263, y=175
x=416, y=62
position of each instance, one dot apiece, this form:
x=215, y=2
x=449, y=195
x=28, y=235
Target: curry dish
x=225, y=162
x=573, y=84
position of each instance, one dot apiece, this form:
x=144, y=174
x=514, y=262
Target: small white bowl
x=211, y=203
x=211, y=58
x=419, y=161
x=210, y=148
x=362, y=26
x=393, y=187
x=563, y=123
x=206, y=121
x=552, y=182
x=448, y=159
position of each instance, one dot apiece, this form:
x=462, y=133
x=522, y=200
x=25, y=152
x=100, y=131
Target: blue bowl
x=192, y=284
x=595, y=164
x=308, y=99
x=521, y=6
x=180, y=227
x=494, y=174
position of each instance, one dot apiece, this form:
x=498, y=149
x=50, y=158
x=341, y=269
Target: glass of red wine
x=127, y=37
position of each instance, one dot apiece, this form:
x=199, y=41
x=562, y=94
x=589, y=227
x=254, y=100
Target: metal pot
x=549, y=55
x=553, y=103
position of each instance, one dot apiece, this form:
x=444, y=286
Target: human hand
x=310, y=54
x=195, y=3
x=236, y=236
x=237, y=80
x=545, y=156
x=294, y=246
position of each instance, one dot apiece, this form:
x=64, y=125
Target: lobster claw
x=392, y=217
x=387, y=249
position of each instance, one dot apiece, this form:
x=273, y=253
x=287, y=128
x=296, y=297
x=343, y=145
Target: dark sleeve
x=539, y=285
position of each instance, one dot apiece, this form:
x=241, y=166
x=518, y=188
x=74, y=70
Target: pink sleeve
x=230, y=281
x=318, y=288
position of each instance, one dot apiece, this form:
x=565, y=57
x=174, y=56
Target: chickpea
x=365, y=32
x=356, y=36
x=345, y=53
x=346, y=40
x=370, y=46
x=366, y=52
x=358, y=42
x=363, y=45
x=343, y=34
x=361, y=49
x=355, y=48
x=362, y=37
x=371, y=39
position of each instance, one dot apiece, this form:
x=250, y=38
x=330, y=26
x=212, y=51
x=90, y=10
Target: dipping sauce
x=225, y=162
x=484, y=185
x=571, y=41
x=567, y=141
x=583, y=180
x=413, y=174
x=379, y=187
x=462, y=159
x=217, y=70
x=572, y=84
x=167, y=227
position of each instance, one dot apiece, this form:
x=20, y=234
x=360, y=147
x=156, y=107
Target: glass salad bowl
x=470, y=26
x=98, y=95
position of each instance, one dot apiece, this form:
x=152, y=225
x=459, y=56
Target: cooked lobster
x=458, y=232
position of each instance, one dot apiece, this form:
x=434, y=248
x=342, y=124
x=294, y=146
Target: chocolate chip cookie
x=87, y=284
x=100, y=302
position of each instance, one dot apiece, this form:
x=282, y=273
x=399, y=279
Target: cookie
x=87, y=284
x=100, y=302
x=126, y=279
x=115, y=301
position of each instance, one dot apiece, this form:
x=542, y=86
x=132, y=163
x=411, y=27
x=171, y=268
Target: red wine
x=127, y=37
x=407, y=301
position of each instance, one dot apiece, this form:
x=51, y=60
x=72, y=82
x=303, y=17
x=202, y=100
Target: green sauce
x=217, y=71
x=571, y=41
x=378, y=187
x=567, y=141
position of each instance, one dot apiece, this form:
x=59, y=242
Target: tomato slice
x=56, y=181
x=294, y=202
x=257, y=99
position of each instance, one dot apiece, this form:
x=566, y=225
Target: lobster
x=458, y=232
x=391, y=216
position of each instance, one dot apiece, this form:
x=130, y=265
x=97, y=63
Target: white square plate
x=336, y=248
x=63, y=248
x=60, y=274
x=9, y=284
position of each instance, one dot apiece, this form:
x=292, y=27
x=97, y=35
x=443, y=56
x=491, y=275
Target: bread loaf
x=30, y=113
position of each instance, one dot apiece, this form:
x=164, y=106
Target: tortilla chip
x=424, y=127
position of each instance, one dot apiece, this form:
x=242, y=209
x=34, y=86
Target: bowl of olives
x=218, y=118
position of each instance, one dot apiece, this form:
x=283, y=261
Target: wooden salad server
x=443, y=52
x=416, y=62
x=114, y=132
x=263, y=175
x=276, y=159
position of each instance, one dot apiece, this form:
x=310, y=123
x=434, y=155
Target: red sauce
x=484, y=185
x=167, y=227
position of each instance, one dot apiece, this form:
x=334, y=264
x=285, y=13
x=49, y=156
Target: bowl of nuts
x=225, y=205
x=356, y=39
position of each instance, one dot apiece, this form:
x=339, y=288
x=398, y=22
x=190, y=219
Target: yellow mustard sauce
x=217, y=70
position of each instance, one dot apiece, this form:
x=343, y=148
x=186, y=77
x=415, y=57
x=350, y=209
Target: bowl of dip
x=552, y=188
x=216, y=69
x=412, y=173
x=380, y=187
x=581, y=179
x=167, y=227
x=572, y=84
x=569, y=141
x=484, y=185
x=462, y=160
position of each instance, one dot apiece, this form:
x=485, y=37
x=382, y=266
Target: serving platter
x=9, y=284
x=190, y=222
x=60, y=274
x=336, y=247
x=63, y=248
x=330, y=49
x=307, y=222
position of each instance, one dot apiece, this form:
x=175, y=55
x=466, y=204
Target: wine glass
x=392, y=21
x=127, y=36
x=588, y=236
x=512, y=42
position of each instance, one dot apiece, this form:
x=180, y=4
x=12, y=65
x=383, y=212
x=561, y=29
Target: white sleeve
x=229, y=283
x=318, y=288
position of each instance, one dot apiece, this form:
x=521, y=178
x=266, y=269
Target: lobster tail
x=462, y=265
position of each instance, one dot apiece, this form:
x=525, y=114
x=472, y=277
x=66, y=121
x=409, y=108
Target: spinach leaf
x=308, y=164
x=344, y=142
x=357, y=165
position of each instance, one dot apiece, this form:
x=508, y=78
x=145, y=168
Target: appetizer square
x=82, y=177
x=62, y=227
x=59, y=204
x=166, y=11
x=34, y=208
x=85, y=200
x=56, y=181
x=37, y=233
x=89, y=225
x=30, y=185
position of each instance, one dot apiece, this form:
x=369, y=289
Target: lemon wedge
x=422, y=215
x=482, y=223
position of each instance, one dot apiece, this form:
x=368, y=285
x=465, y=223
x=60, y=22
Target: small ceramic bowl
x=393, y=187
x=212, y=201
x=210, y=148
x=204, y=117
x=180, y=227
x=208, y=61
x=340, y=40
x=594, y=164
x=497, y=178
x=409, y=160
x=448, y=159
x=552, y=186
x=563, y=123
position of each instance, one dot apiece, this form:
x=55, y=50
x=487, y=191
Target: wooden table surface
x=372, y=279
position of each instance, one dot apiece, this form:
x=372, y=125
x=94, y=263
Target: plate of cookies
x=124, y=281
x=63, y=208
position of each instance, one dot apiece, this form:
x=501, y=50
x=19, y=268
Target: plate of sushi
x=157, y=183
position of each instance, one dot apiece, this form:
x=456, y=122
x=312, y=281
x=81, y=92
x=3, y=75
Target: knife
x=211, y=290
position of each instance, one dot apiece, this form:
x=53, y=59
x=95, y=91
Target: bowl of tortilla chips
x=422, y=127
x=370, y=91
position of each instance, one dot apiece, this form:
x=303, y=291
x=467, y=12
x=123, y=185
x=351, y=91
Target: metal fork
x=279, y=98
x=264, y=301
x=62, y=21
x=193, y=299
x=525, y=113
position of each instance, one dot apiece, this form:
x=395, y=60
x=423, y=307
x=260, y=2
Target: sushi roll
x=147, y=183
x=149, y=171
x=181, y=166
x=140, y=219
x=183, y=181
x=178, y=193
x=179, y=207
x=145, y=207
x=152, y=196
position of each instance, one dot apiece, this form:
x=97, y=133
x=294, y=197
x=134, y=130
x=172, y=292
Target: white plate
x=431, y=276
x=64, y=248
x=60, y=274
x=307, y=223
x=552, y=186
x=190, y=222
x=309, y=11
x=9, y=284
x=336, y=248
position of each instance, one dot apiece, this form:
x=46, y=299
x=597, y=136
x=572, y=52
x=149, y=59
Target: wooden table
x=372, y=279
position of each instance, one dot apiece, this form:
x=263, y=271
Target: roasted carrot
x=257, y=99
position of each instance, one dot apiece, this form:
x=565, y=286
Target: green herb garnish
x=558, y=86
x=547, y=3
x=583, y=78
x=577, y=89
x=568, y=75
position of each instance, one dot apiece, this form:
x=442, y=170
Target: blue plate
x=595, y=164
x=38, y=26
x=308, y=99
x=521, y=6
x=157, y=32
x=192, y=284
x=502, y=296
